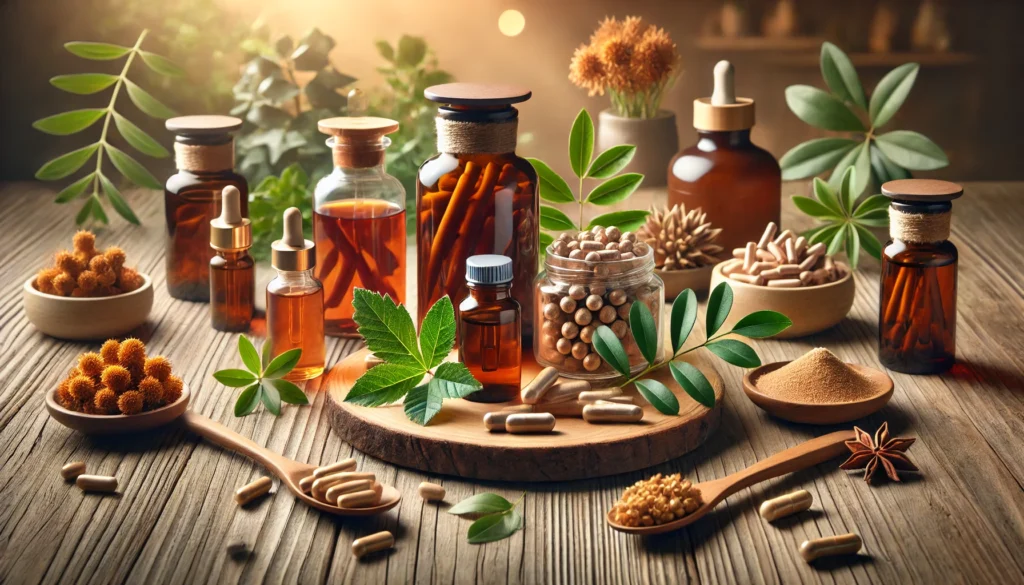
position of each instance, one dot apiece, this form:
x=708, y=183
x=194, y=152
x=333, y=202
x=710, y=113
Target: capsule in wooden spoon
x=343, y=465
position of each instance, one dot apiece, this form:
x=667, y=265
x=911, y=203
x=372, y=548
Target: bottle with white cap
x=232, y=270
x=295, y=300
x=490, y=326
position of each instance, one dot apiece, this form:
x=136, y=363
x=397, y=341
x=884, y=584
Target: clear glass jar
x=598, y=293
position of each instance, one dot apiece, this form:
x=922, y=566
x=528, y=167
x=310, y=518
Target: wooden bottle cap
x=477, y=94
x=203, y=125
x=922, y=190
x=357, y=128
x=723, y=111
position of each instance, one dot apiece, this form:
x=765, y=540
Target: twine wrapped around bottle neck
x=460, y=137
x=204, y=158
x=919, y=227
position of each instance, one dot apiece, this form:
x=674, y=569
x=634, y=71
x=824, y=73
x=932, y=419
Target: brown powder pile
x=818, y=377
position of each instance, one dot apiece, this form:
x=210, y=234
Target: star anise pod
x=881, y=453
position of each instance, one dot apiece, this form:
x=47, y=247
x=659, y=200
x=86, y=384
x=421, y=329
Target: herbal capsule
x=339, y=489
x=612, y=413
x=534, y=422
x=786, y=505
x=363, y=499
x=343, y=465
x=570, y=408
x=321, y=485
x=251, y=491
x=373, y=543
x=830, y=546
x=534, y=391
x=565, y=391
x=615, y=400
x=96, y=483
x=431, y=492
x=306, y=483
x=72, y=470
x=595, y=395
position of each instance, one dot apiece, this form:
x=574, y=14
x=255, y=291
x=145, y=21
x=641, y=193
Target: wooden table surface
x=961, y=520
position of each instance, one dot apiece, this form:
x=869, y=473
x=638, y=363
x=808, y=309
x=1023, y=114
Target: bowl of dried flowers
x=118, y=390
x=88, y=293
x=685, y=251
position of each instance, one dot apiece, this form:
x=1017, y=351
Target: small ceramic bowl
x=676, y=281
x=116, y=424
x=819, y=414
x=88, y=318
x=811, y=308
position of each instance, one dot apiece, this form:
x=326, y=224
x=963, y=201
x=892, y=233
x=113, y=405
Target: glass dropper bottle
x=232, y=270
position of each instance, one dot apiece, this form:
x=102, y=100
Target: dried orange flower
x=587, y=71
x=82, y=389
x=115, y=258
x=84, y=241
x=64, y=284
x=105, y=401
x=91, y=364
x=117, y=378
x=67, y=263
x=130, y=402
x=132, y=353
x=130, y=280
x=109, y=351
x=152, y=392
x=158, y=367
x=87, y=281
x=84, y=272
x=64, y=397
x=173, y=388
x=44, y=280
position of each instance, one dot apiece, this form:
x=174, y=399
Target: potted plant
x=635, y=63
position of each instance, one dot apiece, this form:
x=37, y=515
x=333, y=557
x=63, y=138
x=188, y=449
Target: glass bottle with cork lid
x=917, y=308
x=232, y=269
x=490, y=324
x=738, y=184
x=358, y=220
x=204, y=153
x=295, y=300
x=477, y=196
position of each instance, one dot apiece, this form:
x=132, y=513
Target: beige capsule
x=72, y=470
x=790, y=248
x=734, y=265
x=769, y=233
x=595, y=395
x=786, y=505
x=789, y=269
x=306, y=484
x=343, y=465
x=363, y=499
x=431, y=492
x=370, y=544
x=322, y=484
x=495, y=421
x=747, y=278
x=612, y=413
x=565, y=391
x=570, y=408
x=844, y=544
x=777, y=251
x=591, y=246
x=253, y=490
x=785, y=236
x=759, y=267
x=785, y=283
x=615, y=400
x=96, y=483
x=541, y=383
x=800, y=246
x=534, y=422
x=348, y=487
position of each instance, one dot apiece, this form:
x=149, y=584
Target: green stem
x=581, y=204
x=110, y=111
x=658, y=365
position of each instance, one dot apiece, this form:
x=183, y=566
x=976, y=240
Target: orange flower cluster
x=87, y=272
x=120, y=379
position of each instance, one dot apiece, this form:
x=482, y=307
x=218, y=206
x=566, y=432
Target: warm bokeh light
x=511, y=23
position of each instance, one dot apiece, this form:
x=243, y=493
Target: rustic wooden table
x=961, y=520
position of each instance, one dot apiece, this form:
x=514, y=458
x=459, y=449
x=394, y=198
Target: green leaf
x=421, y=404
x=553, y=188
x=615, y=189
x=814, y=157
x=486, y=503
x=387, y=329
x=912, y=150
x=281, y=365
x=385, y=50
x=96, y=51
x=545, y=240
x=608, y=346
x=581, y=143
x=877, y=220
x=411, y=50
x=693, y=382
x=847, y=194
x=837, y=241
x=862, y=163
x=869, y=242
x=852, y=246
x=611, y=161
x=822, y=234
x=628, y=220
x=288, y=391
x=437, y=332
x=761, y=324
x=66, y=164
x=247, y=400
x=384, y=383
x=821, y=110
x=645, y=332
x=234, y=378
x=684, y=315
x=553, y=219
x=265, y=354
x=719, y=305
x=277, y=89
x=86, y=210
x=247, y=351
x=813, y=208
x=146, y=102
x=83, y=83
x=826, y=195
x=849, y=159
x=884, y=167
x=840, y=75
x=97, y=210
x=75, y=189
x=659, y=396
x=117, y=201
x=139, y=140
x=453, y=380
x=494, y=527
x=891, y=92
x=132, y=169
x=872, y=204
x=735, y=352
x=69, y=122
x=270, y=397
x=161, y=65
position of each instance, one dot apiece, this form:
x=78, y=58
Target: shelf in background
x=740, y=44
x=949, y=59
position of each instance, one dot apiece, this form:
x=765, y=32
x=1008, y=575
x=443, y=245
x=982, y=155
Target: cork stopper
x=723, y=111
x=293, y=252
x=230, y=231
x=204, y=143
x=357, y=141
x=477, y=94
x=921, y=209
x=204, y=129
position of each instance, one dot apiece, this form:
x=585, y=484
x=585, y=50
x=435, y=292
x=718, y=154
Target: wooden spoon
x=712, y=492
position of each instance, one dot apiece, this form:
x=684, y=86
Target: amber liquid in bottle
x=490, y=346
x=295, y=311
x=232, y=291
x=359, y=243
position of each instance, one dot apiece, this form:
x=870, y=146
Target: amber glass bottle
x=232, y=270
x=205, y=156
x=917, y=308
x=734, y=181
x=476, y=196
x=295, y=301
x=358, y=220
x=490, y=323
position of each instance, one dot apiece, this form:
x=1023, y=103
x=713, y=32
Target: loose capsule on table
x=534, y=391
x=72, y=470
x=829, y=546
x=783, y=506
x=343, y=465
x=534, y=422
x=431, y=492
x=373, y=543
x=96, y=483
x=251, y=491
x=612, y=413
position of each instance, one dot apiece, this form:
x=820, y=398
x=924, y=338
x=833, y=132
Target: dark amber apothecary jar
x=476, y=196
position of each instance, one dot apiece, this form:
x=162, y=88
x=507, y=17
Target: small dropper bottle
x=490, y=329
x=232, y=270
x=295, y=300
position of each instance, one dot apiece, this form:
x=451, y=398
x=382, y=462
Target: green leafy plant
x=846, y=223
x=683, y=317
x=846, y=108
x=496, y=517
x=97, y=181
x=606, y=166
x=262, y=379
x=391, y=336
x=269, y=200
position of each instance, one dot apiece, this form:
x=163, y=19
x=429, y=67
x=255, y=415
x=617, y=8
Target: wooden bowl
x=116, y=424
x=811, y=308
x=88, y=318
x=676, y=281
x=819, y=414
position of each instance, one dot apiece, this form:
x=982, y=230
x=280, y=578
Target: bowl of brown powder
x=818, y=388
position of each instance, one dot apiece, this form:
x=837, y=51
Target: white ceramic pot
x=656, y=142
